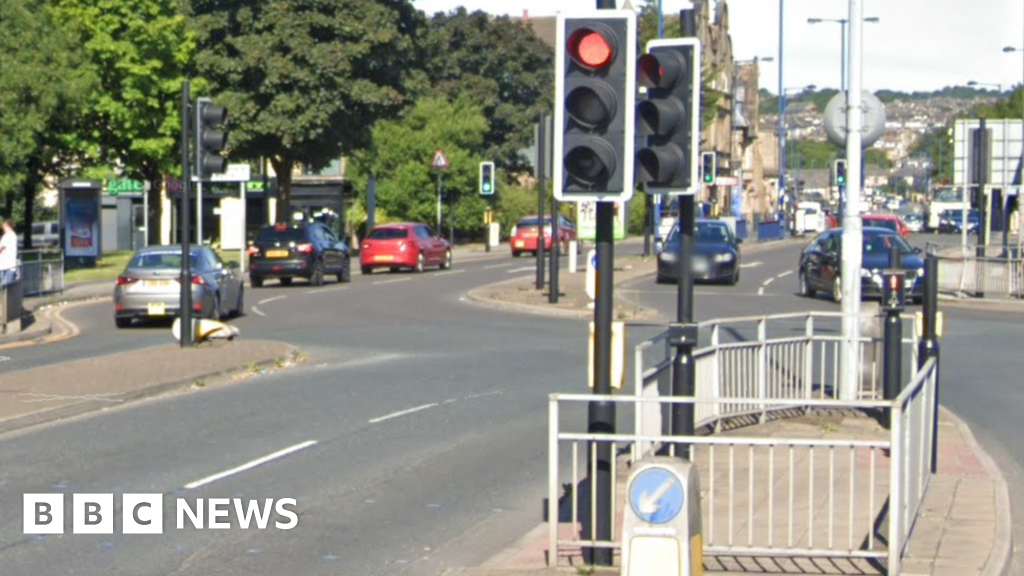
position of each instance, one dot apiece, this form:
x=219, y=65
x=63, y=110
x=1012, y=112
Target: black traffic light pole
x=185, y=310
x=928, y=347
x=892, y=337
x=555, y=252
x=541, y=190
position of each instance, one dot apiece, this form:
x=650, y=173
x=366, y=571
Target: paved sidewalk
x=963, y=529
x=29, y=397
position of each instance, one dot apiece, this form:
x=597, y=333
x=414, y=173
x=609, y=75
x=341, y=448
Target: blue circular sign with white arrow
x=656, y=495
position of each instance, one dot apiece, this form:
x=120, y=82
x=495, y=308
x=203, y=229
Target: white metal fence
x=999, y=273
x=41, y=272
x=763, y=496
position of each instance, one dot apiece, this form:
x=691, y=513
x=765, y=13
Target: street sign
x=586, y=220
x=727, y=181
x=440, y=162
x=592, y=274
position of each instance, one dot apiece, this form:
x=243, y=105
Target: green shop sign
x=125, y=187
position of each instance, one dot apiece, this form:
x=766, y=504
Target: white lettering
x=196, y=518
x=282, y=511
x=218, y=509
x=253, y=510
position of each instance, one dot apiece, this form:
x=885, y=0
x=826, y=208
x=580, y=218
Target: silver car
x=150, y=286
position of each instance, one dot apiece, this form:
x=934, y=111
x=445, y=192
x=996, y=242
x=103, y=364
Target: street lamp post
x=998, y=87
x=842, y=50
x=1009, y=49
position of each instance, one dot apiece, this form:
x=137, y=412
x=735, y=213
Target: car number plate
x=277, y=253
x=700, y=266
x=520, y=243
x=157, y=309
x=384, y=257
x=156, y=283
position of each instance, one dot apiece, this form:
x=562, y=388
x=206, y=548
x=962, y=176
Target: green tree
x=403, y=149
x=499, y=63
x=305, y=80
x=43, y=85
x=138, y=51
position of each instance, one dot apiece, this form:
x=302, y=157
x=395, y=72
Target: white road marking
x=450, y=273
x=250, y=465
x=523, y=269
x=505, y=265
x=269, y=300
x=751, y=265
x=258, y=312
x=760, y=291
x=326, y=290
x=401, y=413
x=392, y=281
x=784, y=274
x=768, y=281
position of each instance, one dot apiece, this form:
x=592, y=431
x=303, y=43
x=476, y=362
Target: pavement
x=964, y=527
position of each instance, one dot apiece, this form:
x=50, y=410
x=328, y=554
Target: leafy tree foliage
x=305, y=80
x=138, y=51
x=498, y=63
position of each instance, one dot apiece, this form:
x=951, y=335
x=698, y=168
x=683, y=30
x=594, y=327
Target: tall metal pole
x=440, y=191
x=782, y=111
x=555, y=251
x=541, y=193
x=849, y=386
x=601, y=414
x=842, y=55
x=185, y=311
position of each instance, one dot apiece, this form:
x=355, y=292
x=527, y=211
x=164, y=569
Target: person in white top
x=8, y=254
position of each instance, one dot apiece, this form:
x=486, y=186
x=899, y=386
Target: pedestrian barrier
x=11, y=306
x=42, y=272
x=767, y=231
x=999, y=273
x=795, y=497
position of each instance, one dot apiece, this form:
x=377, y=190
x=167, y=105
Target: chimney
x=526, y=14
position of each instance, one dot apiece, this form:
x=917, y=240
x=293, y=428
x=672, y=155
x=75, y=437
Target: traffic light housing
x=709, y=167
x=669, y=119
x=894, y=298
x=487, y=179
x=840, y=172
x=594, y=106
x=211, y=138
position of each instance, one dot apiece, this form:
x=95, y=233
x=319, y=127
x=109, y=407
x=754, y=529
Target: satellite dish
x=873, y=119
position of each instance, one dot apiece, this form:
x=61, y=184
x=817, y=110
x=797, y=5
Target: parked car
x=526, y=234
x=149, y=288
x=809, y=218
x=716, y=254
x=308, y=250
x=820, y=263
x=407, y=245
x=914, y=222
x=887, y=221
x=952, y=221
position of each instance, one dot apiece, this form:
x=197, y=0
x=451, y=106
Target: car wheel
x=420, y=261
x=346, y=272
x=735, y=278
x=240, y=305
x=215, y=309
x=837, y=290
x=317, y=278
x=805, y=285
x=286, y=281
x=516, y=254
x=256, y=281
x=447, y=264
x=366, y=270
x=122, y=322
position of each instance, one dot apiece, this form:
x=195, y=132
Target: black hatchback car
x=820, y=261
x=716, y=254
x=309, y=251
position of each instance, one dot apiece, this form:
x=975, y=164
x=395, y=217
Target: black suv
x=309, y=251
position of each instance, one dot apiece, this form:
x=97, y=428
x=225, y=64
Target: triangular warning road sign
x=439, y=162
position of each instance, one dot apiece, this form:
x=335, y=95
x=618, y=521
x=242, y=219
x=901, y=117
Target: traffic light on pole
x=486, y=178
x=594, y=106
x=709, y=166
x=840, y=172
x=669, y=118
x=211, y=139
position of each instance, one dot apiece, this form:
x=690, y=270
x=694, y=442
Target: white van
x=44, y=235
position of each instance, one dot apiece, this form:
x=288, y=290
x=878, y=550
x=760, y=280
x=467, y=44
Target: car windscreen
x=706, y=233
x=879, y=223
x=532, y=222
x=160, y=261
x=880, y=243
x=281, y=235
x=388, y=234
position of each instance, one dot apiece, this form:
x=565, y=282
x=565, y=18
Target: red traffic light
x=662, y=70
x=591, y=48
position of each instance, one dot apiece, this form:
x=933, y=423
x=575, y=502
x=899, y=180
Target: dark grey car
x=150, y=286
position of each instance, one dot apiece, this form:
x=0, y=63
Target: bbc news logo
x=144, y=513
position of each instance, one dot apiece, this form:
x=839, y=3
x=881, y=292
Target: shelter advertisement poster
x=81, y=232
x=586, y=220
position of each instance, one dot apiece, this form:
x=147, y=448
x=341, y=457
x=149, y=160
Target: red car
x=405, y=245
x=887, y=221
x=526, y=234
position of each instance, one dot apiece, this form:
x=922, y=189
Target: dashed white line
x=258, y=312
x=505, y=265
x=326, y=290
x=451, y=273
x=751, y=265
x=784, y=274
x=768, y=281
x=760, y=291
x=269, y=300
x=523, y=269
x=401, y=413
x=250, y=465
x=392, y=281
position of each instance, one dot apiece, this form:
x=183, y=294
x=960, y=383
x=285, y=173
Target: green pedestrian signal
x=840, y=172
x=709, y=167
x=487, y=178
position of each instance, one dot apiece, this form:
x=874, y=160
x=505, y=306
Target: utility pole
x=185, y=311
x=541, y=190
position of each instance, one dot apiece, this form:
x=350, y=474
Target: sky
x=918, y=45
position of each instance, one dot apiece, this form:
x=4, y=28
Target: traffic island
x=521, y=294
x=59, y=391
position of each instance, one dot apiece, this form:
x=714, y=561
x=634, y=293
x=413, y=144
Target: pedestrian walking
x=8, y=254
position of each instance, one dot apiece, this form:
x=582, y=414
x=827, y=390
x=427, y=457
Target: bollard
x=662, y=533
x=893, y=302
x=574, y=249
